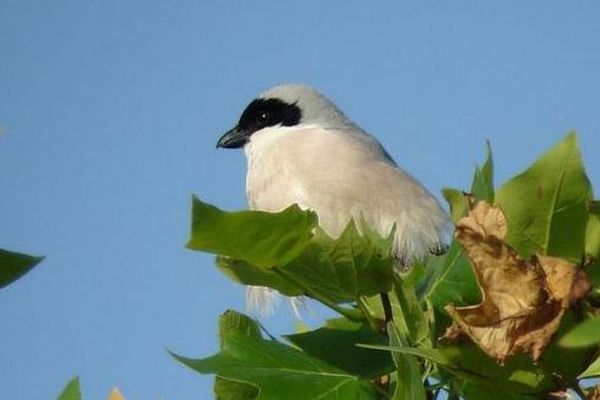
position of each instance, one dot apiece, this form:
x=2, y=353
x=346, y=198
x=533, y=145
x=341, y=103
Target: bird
x=302, y=149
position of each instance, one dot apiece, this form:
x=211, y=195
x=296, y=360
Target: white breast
x=340, y=176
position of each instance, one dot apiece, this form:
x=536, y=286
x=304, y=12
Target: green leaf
x=260, y=238
x=409, y=384
x=592, y=232
x=593, y=272
x=565, y=362
x=280, y=371
x=458, y=203
x=546, y=206
x=288, y=252
x=336, y=345
x=248, y=274
x=452, y=280
x=483, y=181
x=15, y=265
x=343, y=269
x=583, y=335
x=234, y=323
x=71, y=391
x=482, y=188
x=226, y=389
x=519, y=375
x=592, y=370
x=478, y=391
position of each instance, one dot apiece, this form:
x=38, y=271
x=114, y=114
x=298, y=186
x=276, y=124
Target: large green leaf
x=226, y=389
x=592, y=233
x=15, y=265
x=336, y=344
x=583, y=335
x=233, y=323
x=519, y=375
x=346, y=268
x=288, y=252
x=276, y=370
x=71, y=391
x=546, y=206
x=248, y=274
x=280, y=371
x=260, y=238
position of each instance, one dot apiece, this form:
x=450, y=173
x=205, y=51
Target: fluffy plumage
x=326, y=163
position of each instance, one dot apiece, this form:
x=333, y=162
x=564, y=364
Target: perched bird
x=301, y=148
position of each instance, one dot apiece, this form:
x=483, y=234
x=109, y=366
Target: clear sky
x=112, y=110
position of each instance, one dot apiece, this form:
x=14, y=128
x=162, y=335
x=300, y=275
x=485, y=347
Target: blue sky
x=112, y=110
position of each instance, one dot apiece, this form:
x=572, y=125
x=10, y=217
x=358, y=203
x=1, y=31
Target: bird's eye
x=263, y=116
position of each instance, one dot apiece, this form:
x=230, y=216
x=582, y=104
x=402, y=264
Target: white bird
x=301, y=148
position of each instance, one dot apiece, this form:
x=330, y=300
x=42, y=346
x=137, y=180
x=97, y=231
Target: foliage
x=72, y=391
x=515, y=283
x=14, y=265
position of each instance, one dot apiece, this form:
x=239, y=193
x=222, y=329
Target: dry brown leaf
x=594, y=394
x=522, y=301
x=115, y=394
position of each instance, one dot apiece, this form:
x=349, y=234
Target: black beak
x=233, y=139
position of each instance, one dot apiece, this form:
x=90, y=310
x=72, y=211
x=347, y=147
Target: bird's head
x=284, y=106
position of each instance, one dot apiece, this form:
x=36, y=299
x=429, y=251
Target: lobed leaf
x=287, y=252
x=275, y=370
x=260, y=238
x=280, y=371
x=336, y=344
x=346, y=268
x=248, y=274
x=234, y=323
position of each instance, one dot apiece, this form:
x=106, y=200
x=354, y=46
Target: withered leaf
x=115, y=394
x=594, y=393
x=523, y=301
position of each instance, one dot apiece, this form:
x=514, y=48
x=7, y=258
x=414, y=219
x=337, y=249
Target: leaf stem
x=369, y=315
x=352, y=315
